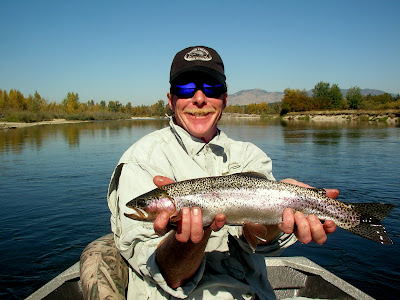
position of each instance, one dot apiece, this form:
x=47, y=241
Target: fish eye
x=141, y=202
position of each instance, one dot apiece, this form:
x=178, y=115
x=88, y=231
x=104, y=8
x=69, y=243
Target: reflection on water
x=55, y=178
x=15, y=140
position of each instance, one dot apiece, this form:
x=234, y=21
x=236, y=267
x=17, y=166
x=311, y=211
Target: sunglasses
x=188, y=90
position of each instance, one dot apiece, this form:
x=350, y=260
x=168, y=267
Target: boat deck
x=290, y=277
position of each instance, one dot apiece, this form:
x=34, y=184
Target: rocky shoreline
x=391, y=116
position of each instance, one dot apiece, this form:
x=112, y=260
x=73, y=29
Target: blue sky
x=122, y=50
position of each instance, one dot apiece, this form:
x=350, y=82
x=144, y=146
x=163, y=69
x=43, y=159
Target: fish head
x=149, y=205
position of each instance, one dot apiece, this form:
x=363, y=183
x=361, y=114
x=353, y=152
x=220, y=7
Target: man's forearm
x=179, y=261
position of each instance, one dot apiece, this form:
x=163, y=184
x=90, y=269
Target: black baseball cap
x=198, y=59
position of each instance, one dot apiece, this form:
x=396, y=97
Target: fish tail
x=370, y=226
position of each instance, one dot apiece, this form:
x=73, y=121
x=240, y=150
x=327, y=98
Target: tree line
x=14, y=106
x=329, y=97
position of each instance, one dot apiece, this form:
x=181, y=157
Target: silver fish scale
x=254, y=199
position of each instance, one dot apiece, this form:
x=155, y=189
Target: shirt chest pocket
x=232, y=168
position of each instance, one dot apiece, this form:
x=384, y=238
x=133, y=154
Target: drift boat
x=290, y=277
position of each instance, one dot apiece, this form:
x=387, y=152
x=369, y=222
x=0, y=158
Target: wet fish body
x=250, y=197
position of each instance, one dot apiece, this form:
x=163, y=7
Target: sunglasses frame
x=218, y=89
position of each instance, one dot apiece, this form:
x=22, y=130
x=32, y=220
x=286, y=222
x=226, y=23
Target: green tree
x=38, y=103
x=336, y=96
x=321, y=90
x=354, y=97
x=158, y=109
x=114, y=106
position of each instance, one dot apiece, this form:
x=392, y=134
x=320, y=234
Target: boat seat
x=104, y=273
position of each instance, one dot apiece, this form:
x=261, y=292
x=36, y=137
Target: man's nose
x=199, y=98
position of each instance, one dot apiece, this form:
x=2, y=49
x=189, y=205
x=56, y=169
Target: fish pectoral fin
x=254, y=234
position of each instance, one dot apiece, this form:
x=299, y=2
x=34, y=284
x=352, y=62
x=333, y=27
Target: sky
x=122, y=50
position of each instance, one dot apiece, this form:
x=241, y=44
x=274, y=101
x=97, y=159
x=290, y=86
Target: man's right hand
x=190, y=225
x=189, y=241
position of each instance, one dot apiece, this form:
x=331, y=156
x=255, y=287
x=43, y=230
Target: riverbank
x=15, y=125
x=389, y=116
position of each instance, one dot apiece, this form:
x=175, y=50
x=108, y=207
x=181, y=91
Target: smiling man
x=193, y=261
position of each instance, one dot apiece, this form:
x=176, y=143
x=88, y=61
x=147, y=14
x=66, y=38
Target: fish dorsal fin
x=253, y=174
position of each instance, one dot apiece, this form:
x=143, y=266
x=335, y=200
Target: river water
x=54, y=180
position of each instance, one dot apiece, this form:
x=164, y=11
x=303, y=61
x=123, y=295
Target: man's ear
x=225, y=99
x=170, y=101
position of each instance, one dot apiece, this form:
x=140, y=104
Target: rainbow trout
x=251, y=197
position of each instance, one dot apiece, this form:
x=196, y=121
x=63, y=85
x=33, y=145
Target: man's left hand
x=308, y=228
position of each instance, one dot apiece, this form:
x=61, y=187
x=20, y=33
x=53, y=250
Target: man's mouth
x=199, y=112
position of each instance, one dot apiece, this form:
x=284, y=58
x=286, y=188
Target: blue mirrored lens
x=188, y=90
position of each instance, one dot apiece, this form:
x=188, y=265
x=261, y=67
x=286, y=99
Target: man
x=193, y=261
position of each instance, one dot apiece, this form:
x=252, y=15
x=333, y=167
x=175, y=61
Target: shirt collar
x=191, y=144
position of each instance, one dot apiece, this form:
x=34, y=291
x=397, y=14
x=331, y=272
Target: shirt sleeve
x=137, y=241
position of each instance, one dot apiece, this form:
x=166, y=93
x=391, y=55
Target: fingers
x=161, y=180
x=317, y=231
x=306, y=229
x=287, y=225
x=190, y=227
x=331, y=193
x=218, y=222
x=329, y=227
x=161, y=223
x=295, y=182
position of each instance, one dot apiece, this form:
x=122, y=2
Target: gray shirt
x=230, y=268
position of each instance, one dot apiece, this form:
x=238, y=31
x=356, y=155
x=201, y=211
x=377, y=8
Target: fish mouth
x=140, y=214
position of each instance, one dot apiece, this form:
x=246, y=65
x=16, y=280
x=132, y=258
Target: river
x=54, y=180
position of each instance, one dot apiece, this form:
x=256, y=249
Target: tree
x=336, y=96
x=295, y=100
x=38, y=103
x=158, y=109
x=114, y=106
x=321, y=90
x=354, y=97
x=71, y=102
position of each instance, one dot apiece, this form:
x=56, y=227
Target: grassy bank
x=32, y=117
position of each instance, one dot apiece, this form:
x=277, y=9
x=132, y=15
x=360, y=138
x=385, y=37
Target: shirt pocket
x=232, y=168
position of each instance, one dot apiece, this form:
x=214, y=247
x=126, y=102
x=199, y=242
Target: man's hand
x=190, y=241
x=308, y=228
x=190, y=226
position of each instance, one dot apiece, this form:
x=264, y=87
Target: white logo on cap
x=198, y=54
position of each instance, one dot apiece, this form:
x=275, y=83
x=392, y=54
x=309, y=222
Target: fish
x=250, y=197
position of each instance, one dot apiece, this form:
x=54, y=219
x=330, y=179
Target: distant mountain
x=254, y=96
x=246, y=97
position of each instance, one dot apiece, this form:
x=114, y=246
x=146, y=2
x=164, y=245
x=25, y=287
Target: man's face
x=199, y=114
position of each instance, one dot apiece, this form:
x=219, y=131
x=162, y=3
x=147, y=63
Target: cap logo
x=198, y=54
